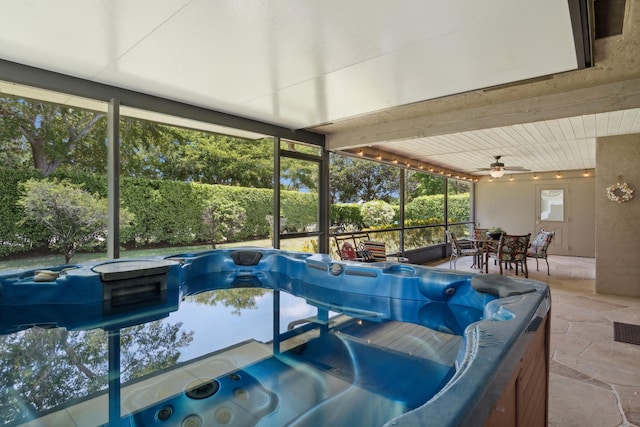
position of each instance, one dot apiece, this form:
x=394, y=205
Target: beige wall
x=618, y=224
x=511, y=204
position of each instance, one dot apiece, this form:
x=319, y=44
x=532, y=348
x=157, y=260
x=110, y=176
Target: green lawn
x=81, y=258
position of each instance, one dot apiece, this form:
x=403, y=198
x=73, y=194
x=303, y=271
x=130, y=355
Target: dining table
x=483, y=245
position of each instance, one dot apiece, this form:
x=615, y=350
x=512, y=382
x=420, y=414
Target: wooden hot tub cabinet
x=524, y=399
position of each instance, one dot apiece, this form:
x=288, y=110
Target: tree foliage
x=52, y=131
x=223, y=218
x=74, y=218
x=377, y=213
x=355, y=180
x=61, y=365
x=239, y=298
x=424, y=184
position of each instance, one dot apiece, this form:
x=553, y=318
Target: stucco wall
x=618, y=224
x=511, y=204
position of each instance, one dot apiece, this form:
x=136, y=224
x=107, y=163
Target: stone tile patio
x=594, y=380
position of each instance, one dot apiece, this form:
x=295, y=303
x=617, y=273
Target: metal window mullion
x=276, y=193
x=113, y=180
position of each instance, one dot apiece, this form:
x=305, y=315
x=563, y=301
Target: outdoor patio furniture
x=512, y=249
x=378, y=252
x=540, y=246
x=460, y=248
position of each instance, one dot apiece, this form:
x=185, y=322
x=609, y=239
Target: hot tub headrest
x=501, y=286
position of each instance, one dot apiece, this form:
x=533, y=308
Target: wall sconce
x=558, y=175
x=394, y=161
x=360, y=153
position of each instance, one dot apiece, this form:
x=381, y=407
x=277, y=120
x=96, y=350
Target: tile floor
x=594, y=380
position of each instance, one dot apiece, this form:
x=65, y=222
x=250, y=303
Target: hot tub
x=386, y=344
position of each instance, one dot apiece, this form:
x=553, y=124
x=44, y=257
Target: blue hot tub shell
x=497, y=316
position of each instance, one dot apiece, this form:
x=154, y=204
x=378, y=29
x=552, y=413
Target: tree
x=218, y=159
x=52, y=131
x=354, y=180
x=74, y=218
x=377, y=213
x=296, y=175
x=424, y=184
x=223, y=219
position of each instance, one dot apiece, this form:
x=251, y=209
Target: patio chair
x=346, y=245
x=460, y=248
x=375, y=251
x=480, y=233
x=512, y=249
x=540, y=246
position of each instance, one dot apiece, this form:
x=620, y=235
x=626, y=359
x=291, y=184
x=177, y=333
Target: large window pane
x=424, y=210
x=298, y=196
x=193, y=190
x=364, y=197
x=53, y=174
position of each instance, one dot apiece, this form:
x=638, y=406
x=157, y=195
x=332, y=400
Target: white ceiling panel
x=295, y=63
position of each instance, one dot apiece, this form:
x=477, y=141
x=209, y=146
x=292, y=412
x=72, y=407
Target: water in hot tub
x=212, y=362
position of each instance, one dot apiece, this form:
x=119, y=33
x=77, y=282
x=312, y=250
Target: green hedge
x=166, y=212
x=170, y=212
x=14, y=238
x=426, y=207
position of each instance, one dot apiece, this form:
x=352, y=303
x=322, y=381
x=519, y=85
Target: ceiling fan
x=497, y=168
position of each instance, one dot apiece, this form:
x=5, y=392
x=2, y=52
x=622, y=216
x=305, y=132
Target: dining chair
x=540, y=246
x=512, y=249
x=460, y=248
x=480, y=233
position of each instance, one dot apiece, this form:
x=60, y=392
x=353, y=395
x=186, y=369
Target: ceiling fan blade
x=516, y=168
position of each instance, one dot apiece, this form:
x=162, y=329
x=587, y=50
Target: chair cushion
x=377, y=250
x=347, y=251
x=364, y=253
x=513, y=248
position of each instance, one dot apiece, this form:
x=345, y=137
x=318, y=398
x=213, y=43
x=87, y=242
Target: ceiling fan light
x=497, y=173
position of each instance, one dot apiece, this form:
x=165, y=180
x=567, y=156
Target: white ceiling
x=303, y=63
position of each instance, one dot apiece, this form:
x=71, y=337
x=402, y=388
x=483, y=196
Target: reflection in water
x=70, y=364
x=61, y=365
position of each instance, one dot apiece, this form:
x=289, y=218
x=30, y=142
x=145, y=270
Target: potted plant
x=495, y=233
